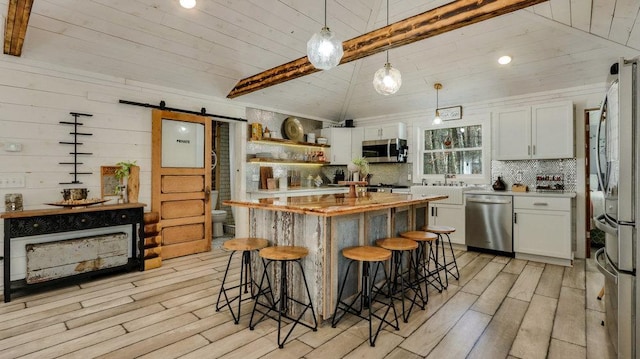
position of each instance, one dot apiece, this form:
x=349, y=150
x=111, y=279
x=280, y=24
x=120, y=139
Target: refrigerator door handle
x=604, y=225
x=598, y=129
x=625, y=248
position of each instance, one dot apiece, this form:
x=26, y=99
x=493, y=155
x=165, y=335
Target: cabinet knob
x=36, y=225
x=124, y=216
x=83, y=220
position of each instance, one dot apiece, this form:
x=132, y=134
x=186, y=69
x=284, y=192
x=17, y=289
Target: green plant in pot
x=361, y=166
x=131, y=172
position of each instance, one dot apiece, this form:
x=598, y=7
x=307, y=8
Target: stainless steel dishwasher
x=488, y=222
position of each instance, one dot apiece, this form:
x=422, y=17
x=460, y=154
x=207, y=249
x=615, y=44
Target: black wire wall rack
x=75, y=144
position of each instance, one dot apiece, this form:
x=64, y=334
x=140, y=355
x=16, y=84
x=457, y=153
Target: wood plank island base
x=326, y=224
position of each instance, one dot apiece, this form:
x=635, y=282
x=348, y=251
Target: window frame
x=485, y=124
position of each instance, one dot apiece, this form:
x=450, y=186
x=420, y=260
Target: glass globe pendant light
x=387, y=80
x=324, y=50
x=437, y=120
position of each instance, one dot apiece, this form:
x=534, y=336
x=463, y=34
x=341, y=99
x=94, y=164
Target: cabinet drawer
x=542, y=203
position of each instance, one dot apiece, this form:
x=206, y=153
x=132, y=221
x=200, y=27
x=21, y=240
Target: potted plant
x=359, y=167
x=131, y=172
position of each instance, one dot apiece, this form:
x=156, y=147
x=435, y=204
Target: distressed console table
x=50, y=221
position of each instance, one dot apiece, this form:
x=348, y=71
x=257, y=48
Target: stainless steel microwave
x=391, y=150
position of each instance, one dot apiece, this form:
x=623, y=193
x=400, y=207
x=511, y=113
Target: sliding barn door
x=181, y=181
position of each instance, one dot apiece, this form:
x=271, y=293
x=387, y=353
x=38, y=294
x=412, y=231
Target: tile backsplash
x=529, y=169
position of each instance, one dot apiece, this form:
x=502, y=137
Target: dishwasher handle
x=488, y=201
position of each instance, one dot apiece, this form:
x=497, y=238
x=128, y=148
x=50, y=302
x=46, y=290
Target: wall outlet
x=408, y=176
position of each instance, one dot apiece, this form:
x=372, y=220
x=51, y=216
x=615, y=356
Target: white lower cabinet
x=542, y=227
x=451, y=215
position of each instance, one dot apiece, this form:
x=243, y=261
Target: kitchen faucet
x=448, y=176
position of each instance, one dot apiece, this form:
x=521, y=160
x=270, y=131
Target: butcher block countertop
x=335, y=204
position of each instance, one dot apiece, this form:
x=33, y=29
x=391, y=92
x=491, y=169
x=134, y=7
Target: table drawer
x=542, y=203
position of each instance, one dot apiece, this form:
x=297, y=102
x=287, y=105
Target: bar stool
x=424, y=257
x=440, y=231
x=282, y=255
x=368, y=292
x=398, y=246
x=246, y=245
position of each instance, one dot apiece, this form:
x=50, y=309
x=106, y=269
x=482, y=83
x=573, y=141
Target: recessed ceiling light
x=503, y=60
x=188, y=4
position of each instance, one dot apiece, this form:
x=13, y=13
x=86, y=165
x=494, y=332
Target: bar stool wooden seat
x=398, y=246
x=448, y=267
x=424, y=256
x=246, y=245
x=366, y=255
x=282, y=255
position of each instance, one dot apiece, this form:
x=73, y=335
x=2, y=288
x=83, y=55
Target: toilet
x=217, y=216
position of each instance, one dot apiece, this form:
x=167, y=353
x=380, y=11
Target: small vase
x=499, y=184
x=133, y=184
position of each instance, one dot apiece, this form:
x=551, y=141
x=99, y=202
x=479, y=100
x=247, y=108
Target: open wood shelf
x=279, y=141
x=286, y=161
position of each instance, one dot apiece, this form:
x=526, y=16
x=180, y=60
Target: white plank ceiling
x=555, y=45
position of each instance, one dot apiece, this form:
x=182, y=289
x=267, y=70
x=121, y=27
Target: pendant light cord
x=387, y=25
x=325, y=13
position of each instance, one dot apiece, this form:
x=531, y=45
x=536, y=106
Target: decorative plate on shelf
x=292, y=129
x=79, y=203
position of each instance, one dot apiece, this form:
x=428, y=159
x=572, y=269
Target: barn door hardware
x=75, y=144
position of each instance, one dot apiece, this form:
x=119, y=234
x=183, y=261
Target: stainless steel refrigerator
x=618, y=167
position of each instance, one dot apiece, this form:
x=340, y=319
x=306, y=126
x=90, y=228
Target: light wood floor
x=499, y=308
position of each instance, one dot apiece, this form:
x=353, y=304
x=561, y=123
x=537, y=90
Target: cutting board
x=265, y=173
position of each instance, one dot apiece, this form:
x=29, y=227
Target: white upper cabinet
x=552, y=130
x=533, y=132
x=384, y=132
x=357, y=136
x=339, y=138
x=511, y=134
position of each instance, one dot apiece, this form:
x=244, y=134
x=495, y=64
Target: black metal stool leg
x=455, y=263
x=283, y=303
x=224, y=289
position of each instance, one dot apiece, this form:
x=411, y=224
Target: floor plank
x=574, y=276
x=425, y=338
x=526, y=284
x=569, y=323
x=496, y=341
x=551, y=281
x=460, y=339
x=532, y=340
x=563, y=350
x=493, y=296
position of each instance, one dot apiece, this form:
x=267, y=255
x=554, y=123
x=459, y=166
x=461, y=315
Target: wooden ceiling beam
x=433, y=22
x=16, y=27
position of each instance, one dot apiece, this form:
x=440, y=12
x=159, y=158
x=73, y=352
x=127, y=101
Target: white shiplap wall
x=34, y=97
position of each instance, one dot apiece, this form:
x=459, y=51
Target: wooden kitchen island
x=325, y=224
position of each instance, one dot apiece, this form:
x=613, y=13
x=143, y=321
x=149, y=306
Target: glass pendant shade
x=324, y=50
x=387, y=80
x=437, y=120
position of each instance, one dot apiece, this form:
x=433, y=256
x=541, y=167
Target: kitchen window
x=456, y=150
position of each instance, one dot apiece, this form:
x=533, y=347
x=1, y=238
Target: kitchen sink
x=455, y=193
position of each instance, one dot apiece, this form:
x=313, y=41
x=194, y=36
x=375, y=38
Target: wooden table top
x=61, y=210
x=328, y=205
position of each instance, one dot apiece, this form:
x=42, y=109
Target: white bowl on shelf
x=321, y=140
